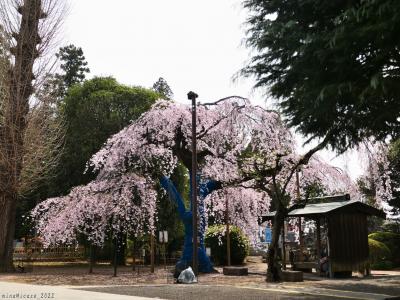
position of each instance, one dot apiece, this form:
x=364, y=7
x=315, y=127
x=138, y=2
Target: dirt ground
x=76, y=275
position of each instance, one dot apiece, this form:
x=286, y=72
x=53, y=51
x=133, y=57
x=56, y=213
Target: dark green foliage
x=392, y=241
x=161, y=86
x=74, y=67
x=333, y=66
x=105, y=253
x=314, y=190
x=215, y=239
x=93, y=112
x=379, y=255
x=382, y=265
x=394, y=167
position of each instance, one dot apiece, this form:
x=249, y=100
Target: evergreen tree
x=333, y=66
x=74, y=67
x=161, y=86
x=94, y=111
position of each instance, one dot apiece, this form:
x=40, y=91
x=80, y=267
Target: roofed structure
x=315, y=210
x=347, y=231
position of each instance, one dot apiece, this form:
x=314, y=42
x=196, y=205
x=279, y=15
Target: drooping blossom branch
x=245, y=148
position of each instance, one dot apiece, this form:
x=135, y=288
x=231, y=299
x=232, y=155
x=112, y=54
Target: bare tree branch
x=29, y=27
x=306, y=157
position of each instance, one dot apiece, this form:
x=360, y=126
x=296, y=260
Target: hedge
x=379, y=255
x=215, y=239
x=392, y=241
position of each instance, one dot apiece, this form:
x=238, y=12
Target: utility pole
x=193, y=96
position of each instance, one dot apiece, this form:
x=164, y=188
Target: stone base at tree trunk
x=292, y=276
x=236, y=271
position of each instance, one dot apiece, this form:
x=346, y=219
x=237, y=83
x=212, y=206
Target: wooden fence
x=59, y=253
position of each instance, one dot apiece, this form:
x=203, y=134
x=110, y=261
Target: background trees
x=29, y=27
x=73, y=65
x=93, y=111
x=161, y=86
x=333, y=66
x=47, y=113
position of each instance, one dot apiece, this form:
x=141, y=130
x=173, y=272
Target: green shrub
x=106, y=252
x=215, y=239
x=379, y=254
x=392, y=241
x=383, y=265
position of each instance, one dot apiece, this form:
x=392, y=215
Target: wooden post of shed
x=318, y=220
x=330, y=269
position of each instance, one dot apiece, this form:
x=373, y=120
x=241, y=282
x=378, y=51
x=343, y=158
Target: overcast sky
x=194, y=45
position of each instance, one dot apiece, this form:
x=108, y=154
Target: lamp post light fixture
x=193, y=96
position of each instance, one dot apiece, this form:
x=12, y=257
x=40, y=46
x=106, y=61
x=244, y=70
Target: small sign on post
x=268, y=235
x=163, y=236
x=163, y=239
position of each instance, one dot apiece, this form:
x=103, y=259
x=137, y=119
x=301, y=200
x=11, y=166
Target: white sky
x=194, y=45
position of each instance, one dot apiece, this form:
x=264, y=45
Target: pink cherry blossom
x=244, y=147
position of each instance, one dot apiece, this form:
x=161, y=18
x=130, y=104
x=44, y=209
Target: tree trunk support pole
x=152, y=251
x=133, y=256
x=299, y=219
x=165, y=255
x=91, y=258
x=228, y=238
x=283, y=247
x=115, y=256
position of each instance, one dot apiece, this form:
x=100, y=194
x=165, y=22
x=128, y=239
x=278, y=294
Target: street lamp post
x=192, y=96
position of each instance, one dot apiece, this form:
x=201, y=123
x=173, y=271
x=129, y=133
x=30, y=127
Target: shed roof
x=321, y=209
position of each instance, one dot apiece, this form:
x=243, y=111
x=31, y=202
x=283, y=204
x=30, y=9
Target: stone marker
x=292, y=276
x=236, y=271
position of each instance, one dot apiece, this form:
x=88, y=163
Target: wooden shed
x=346, y=238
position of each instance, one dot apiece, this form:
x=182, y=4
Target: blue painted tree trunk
x=205, y=188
